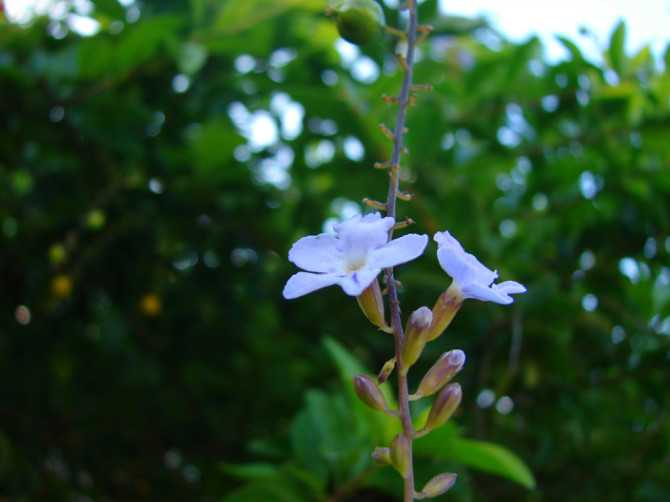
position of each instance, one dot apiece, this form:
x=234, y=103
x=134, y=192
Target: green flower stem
x=394, y=307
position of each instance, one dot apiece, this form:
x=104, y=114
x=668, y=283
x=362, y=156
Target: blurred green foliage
x=146, y=351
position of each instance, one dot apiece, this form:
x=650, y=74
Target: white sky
x=648, y=21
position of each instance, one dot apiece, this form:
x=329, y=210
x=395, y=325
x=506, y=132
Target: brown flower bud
x=400, y=454
x=438, y=485
x=368, y=392
x=444, y=310
x=444, y=406
x=382, y=456
x=372, y=305
x=439, y=375
x=416, y=336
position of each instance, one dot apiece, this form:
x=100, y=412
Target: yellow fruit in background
x=61, y=286
x=150, y=305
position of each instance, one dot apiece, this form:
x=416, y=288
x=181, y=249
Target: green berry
x=359, y=21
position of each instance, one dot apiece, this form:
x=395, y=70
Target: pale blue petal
x=463, y=267
x=486, y=294
x=472, y=278
x=509, y=288
x=400, y=250
x=453, y=263
x=361, y=234
x=316, y=253
x=303, y=282
x=356, y=283
x=446, y=239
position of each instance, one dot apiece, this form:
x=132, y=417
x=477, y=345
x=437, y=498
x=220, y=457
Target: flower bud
x=439, y=375
x=445, y=309
x=416, y=336
x=444, y=406
x=400, y=454
x=438, y=485
x=372, y=305
x=368, y=392
x=382, y=456
x=386, y=371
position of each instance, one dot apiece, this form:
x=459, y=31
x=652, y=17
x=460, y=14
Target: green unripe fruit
x=359, y=21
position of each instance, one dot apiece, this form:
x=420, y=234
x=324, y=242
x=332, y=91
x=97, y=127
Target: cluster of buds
x=398, y=454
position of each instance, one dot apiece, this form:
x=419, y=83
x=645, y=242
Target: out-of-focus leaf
x=481, y=455
x=191, y=57
x=212, y=147
x=111, y=8
x=96, y=55
x=576, y=54
x=617, y=49
x=261, y=471
x=456, y=25
x=305, y=443
x=382, y=426
x=289, y=479
x=271, y=492
x=236, y=15
x=144, y=40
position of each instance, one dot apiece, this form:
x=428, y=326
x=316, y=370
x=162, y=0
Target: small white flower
x=472, y=279
x=354, y=259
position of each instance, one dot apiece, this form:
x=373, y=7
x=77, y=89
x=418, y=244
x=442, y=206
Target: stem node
x=391, y=100
x=403, y=224
x=374, y=204
x=387, y=132
x=402, y=62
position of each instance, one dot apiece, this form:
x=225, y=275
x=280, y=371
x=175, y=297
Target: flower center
x=355, y=264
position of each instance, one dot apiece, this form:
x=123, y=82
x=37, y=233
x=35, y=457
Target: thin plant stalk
x=394, y=306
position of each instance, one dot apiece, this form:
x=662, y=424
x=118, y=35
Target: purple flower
x=472, y=279
x=353, y=260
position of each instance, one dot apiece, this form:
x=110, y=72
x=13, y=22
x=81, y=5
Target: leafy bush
x=145, y=228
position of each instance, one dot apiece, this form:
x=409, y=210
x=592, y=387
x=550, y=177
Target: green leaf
x=456, y=25
x=238, y=15
x=96, y=57
x=382, y=426
x=259, y=471
x=278, y=481
x=144, y=41
x=572, y=48
x=482, y=455
x=111, y=8
x=305, y=443
x=328, y=440
x=268, y=492
x=211, y=148
x=191, y=56
x=617, y=51
x=349, y=367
